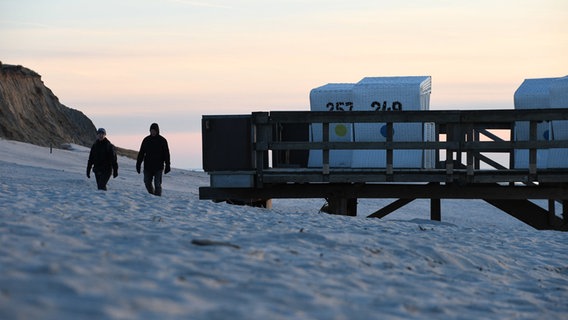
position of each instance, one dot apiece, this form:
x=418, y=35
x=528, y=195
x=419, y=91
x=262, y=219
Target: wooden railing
x=458, y=135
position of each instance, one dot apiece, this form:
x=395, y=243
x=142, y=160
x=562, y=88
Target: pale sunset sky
x=128, y=63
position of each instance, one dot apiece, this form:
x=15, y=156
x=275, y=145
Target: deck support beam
x=390, y=208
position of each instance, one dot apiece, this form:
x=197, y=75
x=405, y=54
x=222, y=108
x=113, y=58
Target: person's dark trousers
x=102, y=179
x=155, y=176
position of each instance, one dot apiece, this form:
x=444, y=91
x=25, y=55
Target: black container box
x=227, y=143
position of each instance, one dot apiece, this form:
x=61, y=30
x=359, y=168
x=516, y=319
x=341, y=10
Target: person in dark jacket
x=155, y=154
x=102, y=159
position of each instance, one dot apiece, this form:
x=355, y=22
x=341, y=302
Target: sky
x=128, y=63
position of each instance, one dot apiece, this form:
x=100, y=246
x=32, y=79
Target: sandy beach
x=69, y=251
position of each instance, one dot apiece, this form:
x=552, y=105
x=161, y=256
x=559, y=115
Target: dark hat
x=101, y=130
x=154, y=126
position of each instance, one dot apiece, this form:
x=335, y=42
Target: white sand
x=68, y=251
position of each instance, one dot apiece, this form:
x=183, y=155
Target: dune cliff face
x=30, y=112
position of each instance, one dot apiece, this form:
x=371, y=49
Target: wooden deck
x=253, y=158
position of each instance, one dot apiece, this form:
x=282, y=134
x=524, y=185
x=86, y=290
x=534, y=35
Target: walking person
x=102, y=160
x=155, y=154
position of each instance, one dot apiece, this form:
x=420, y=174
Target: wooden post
x=435, y=210
x=389, y=162
x=512, y=151
x=532, y=151
x=477, y=137
x=450, y=136
x=459, y=135
x=437, y=139
x=435, y=207
x=469, y=153
x=262, y=135
x=268, y=204
x=325, y=156
x=551, y=211
x=565, y=211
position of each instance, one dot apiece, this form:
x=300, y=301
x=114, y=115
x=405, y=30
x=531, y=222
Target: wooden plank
x=374, y=145
x=481, y=146
x=504, y=117
x=506, y=146
x=489, y=161
x=363, y=116
x=488, y=134
x=387, y=190
x=380, y=175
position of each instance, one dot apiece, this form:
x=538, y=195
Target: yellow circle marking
x=340, y=130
